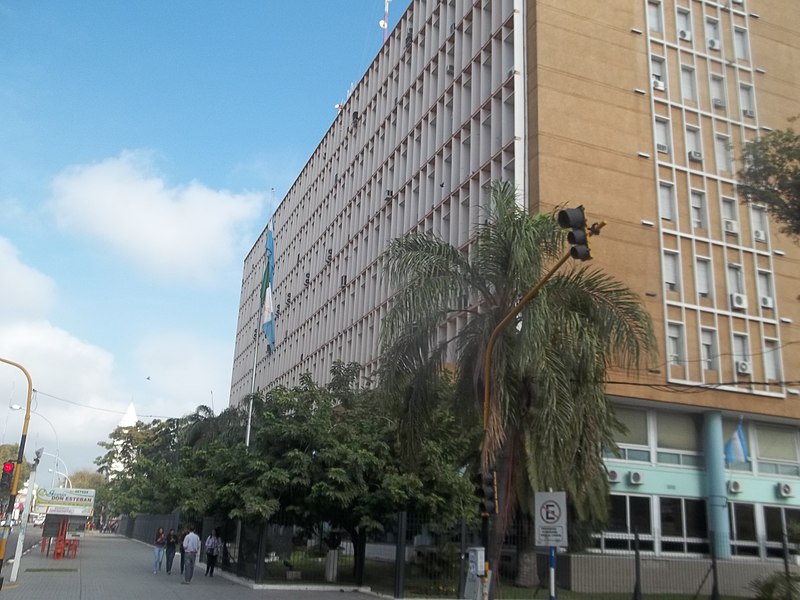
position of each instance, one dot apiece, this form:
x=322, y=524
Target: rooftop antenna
x=384, y=23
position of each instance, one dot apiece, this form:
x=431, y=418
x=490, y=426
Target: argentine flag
x=736, y=447
x=267, y=306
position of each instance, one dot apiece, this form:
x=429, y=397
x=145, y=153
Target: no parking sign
x=550, y=509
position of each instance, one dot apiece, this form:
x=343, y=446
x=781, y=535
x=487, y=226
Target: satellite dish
x=383, y=24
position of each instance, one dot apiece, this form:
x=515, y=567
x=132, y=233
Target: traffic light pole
x=6, y=530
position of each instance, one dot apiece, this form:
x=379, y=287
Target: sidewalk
x=111, y=566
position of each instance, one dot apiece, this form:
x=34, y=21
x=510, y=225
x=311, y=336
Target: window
x=746, y=100
x=777, y=522
x=703, y=272
x=654, y=20
x=708, y=347
x=688, y=84
x=633, y=444
x=740, y=44
x=722, y=148
x=740, y=352
x=772, y=370
x=743, y=529
x=777, y=451
x=679, y=436
x=693, y=139
x=735, y=279
x=684, y=24
x=671, y=266
x=658, y=69
x=698, y=205
x=666, y=201
x=662, y=134
x=765, y=284
x=683, y=525
x=759, y=218
x=729, y=209
x=675, y=343
x=628, y=515
x=717, y=89
x=712, y=34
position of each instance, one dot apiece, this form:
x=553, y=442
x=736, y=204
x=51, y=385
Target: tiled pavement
x=110, y=566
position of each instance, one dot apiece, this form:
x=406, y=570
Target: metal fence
x=414, y=557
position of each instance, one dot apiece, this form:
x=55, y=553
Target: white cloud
x=27, y=293
x=190, y=232
x=184, y=372
x=74, y=371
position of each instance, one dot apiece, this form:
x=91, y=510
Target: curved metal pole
x=15, y=480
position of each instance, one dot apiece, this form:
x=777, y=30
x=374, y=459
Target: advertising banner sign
x=65, y=501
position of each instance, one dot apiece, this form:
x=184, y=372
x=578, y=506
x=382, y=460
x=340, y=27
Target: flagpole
x=252, y=388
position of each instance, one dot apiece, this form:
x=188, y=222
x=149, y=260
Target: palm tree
x=548, y=417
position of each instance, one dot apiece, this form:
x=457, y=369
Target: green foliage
x=777, y=586
x=771, y=176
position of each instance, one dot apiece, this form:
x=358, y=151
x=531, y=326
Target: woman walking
x=158, y=551
x=172, y=544
x=213, y=549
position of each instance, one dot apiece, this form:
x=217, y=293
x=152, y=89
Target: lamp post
x=55, y=466
x=67, y=480
x=55, y=433
x=6, y=530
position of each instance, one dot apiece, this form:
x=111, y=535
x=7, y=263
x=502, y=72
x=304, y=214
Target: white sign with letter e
x=550, y=509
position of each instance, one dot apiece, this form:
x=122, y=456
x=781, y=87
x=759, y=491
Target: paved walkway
x=111, y=566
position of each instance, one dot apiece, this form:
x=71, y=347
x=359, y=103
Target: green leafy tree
x=548, y=416
x=771, y=176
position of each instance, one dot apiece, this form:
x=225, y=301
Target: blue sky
x=143, y=146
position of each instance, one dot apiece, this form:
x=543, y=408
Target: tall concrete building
x=637, y=109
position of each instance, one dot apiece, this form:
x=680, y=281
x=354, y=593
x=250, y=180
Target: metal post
x=552, y=573
x=24, y=519
x=400, y=556
x=637, y=585
x=462, y=575
x=6, y=530
x=715, y=578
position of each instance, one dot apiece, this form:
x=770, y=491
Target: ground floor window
x=683, y=525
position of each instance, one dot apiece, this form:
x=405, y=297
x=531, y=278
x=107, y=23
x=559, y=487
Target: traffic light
x=486, y=490
x=5, y=479
x=575, y=220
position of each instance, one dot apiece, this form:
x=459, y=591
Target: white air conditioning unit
x=749, y=112
x=659, y=85
x=450, y=69
x=767, y=302
x=714, y=44
x=734, y=487
x=613, y=476
x=685, y=35
x=662, y=148
x=738, y=1
x=718, y=102
x=759, y=235
x=784, y=490
x=730, y=226
x=738, y=301
x=743, y=367
x=695, y=156
x=308, y=279
x=452, y=27
x=636, y=478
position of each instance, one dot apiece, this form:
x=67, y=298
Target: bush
x=777, y=586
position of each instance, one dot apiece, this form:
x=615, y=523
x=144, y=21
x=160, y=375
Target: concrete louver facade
x=635, y=109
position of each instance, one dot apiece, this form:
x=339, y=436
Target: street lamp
x=67, y=480
x=15, y=481
x=55, y=433
x=58, y=458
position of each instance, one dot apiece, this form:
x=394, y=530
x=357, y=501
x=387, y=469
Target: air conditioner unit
x=784, y=490
x=659, y=85
x=343, y=280
x=749, y=112
x=743, y=367
x=730, y=226
x=452, y=27
x=718, y=102
x=288, y=299
x=685, y=35
x=662, y=148
x=738, y=301
x=734, y=487
x=636, y=478
x=767, y=302
x=738, y=1
x=450, y=69
x=714, y=44
x=613, y=476
x=759, y=235
x=695, y=156
x=329, y=257
x=308, y=279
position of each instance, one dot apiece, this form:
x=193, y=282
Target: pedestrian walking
x=158, y=551
x=172, y=544
x=191, y=546
x=213, y=550
x=180, y=547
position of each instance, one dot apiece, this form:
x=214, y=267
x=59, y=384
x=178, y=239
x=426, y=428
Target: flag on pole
x=736, y=447
x=267, y=307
